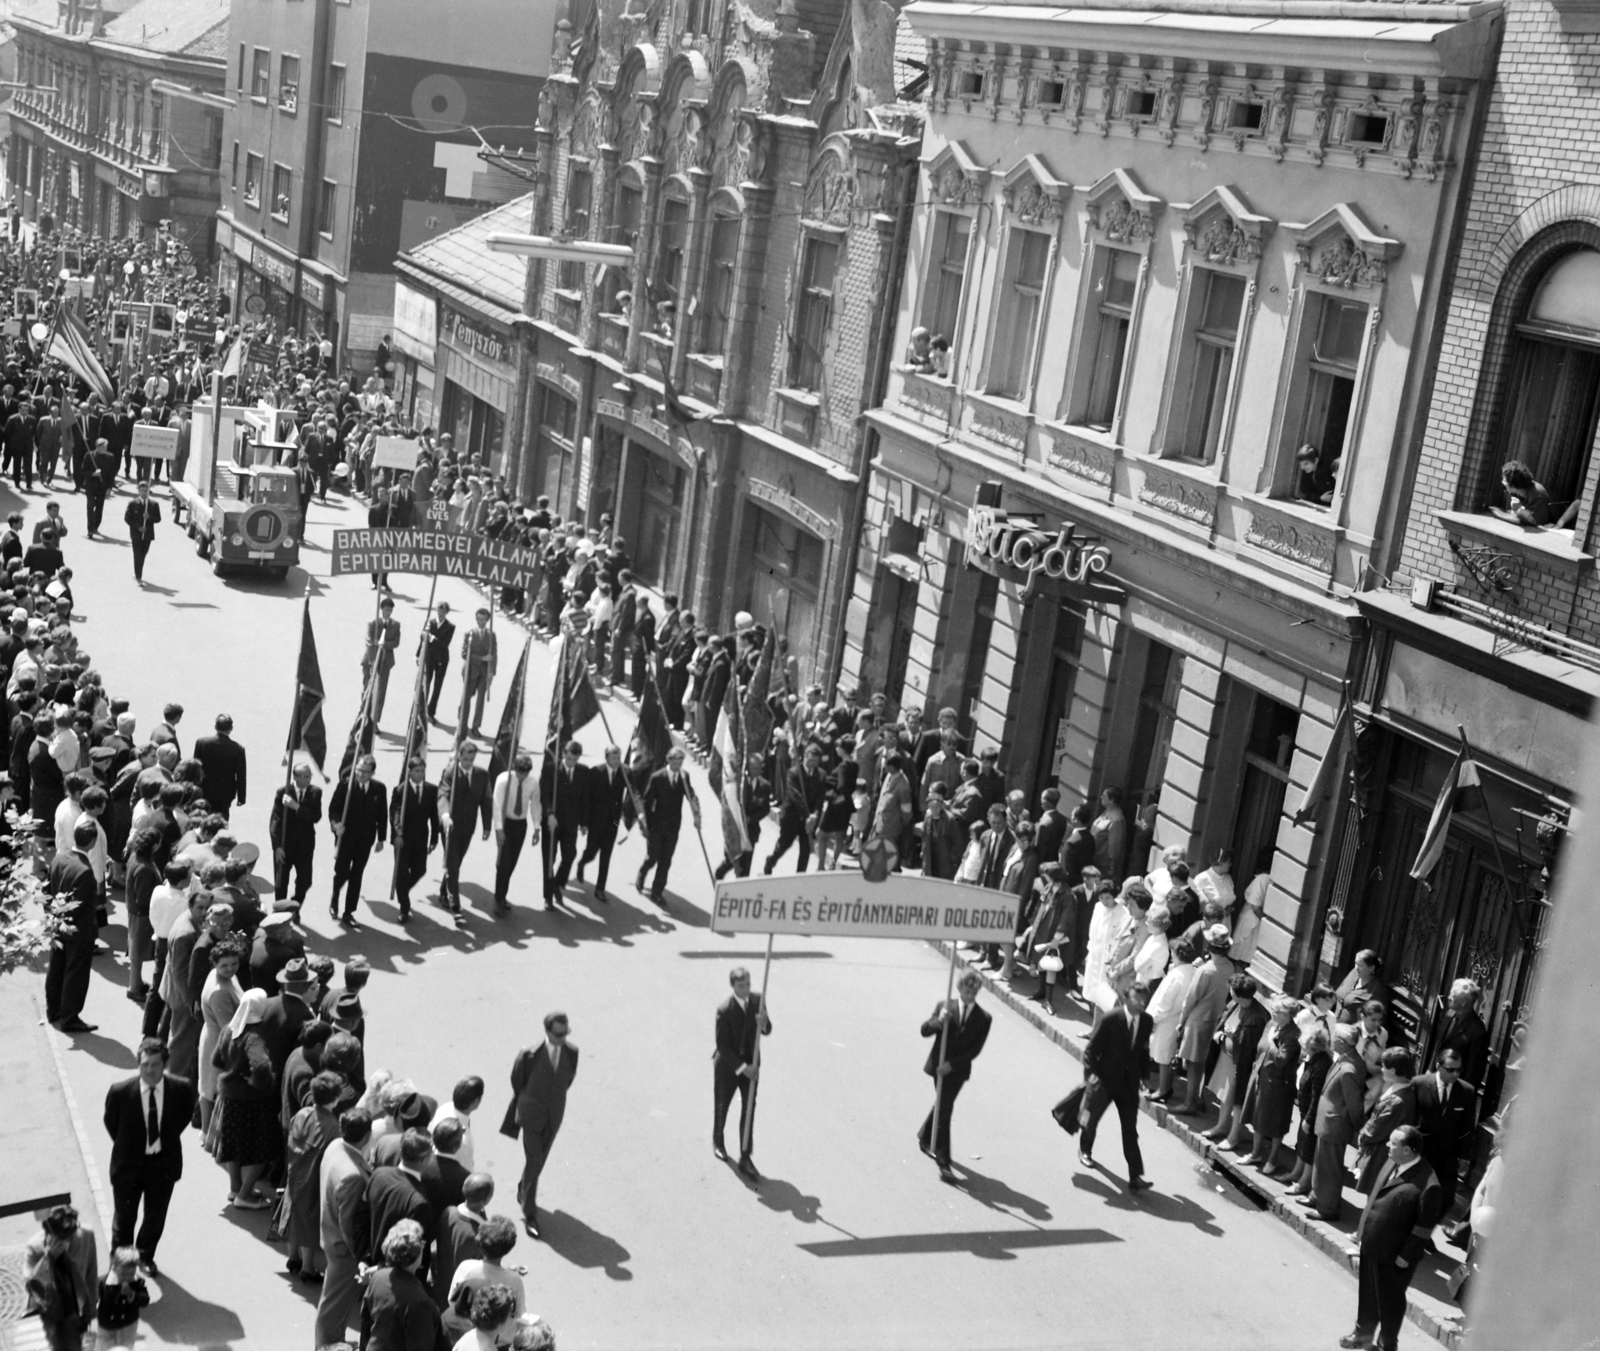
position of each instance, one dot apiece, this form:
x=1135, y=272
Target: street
x=850, y=1241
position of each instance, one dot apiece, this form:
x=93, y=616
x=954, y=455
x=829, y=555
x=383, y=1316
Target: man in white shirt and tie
x=145, y=1116
x=513, y=797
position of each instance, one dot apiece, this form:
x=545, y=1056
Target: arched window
x=1551, y=403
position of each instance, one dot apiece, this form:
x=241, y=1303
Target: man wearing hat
x=437, y=636
x=286, y=1012
x=277, y=943
x=357, y=816
x=222, y=767
x=1203, y=1008
x=479, y=657
x=414, y=1112
x=383, y=638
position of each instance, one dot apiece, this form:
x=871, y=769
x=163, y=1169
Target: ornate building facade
x=1162, y=365
x=707, y=394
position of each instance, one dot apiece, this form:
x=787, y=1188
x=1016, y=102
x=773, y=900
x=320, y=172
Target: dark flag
x=677, y=409
x=573, y=702
x=307, y=731
x=362, y=731
x=510, y=734
x=652, y=738
x=417, y=727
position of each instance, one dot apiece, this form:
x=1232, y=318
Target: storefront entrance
x=649, y=512
x=785, y=575
x=883, y=667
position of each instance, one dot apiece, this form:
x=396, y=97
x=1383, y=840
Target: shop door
x=889, y=639
x=607, y=477
x=987, y=597
x=660, y=508
x=1264, y=783
x=1152, y=741
x=785, y=571
x=1058, y=699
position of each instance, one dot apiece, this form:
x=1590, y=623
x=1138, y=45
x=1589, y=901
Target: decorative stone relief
x=1299, y=542
x=1341, y=263
x=1224, y=242
x=831, y=192
x=1092, y=463
x=926, y=398
x=1122, y=223
x=787, y=502
x=956, y=188
x=1178, y=496
x=1008, y=431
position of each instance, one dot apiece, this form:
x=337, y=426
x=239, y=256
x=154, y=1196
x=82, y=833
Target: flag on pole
x=365, y=727
x=70, y=343
x=1462, y=791
x=652, y=738
x=1342, y=742
x=234, y=361
x=573, y=702
x=758, y=719
x=307, y=731
x=509, y=737
x=727, y=772
x=417, y=725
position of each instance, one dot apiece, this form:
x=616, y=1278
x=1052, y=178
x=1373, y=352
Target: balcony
x=614, y=336
x=705, y=377
x=657, y=355
x=569, y=311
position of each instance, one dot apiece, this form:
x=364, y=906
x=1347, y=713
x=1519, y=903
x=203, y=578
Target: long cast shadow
x=1163, y=1205
x=183, y=1319
x=754, y=955
x=997, y=1195
x=574, y=1241
x=996, y=1245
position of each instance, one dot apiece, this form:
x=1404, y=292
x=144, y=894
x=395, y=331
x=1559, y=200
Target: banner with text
x=434, y=551
x=847, y=905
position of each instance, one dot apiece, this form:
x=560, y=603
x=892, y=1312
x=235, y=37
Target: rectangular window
x=234, y=178
x=327, y=209
x=335, y=93
x=669, y=254
x=558, y=415
x=243, y=57
x=289, y=84
x=252, y=179
x=1331, y=358
x=1017, y=327
x=281, y=180
x=717, y=294
x=807, y=343
x=261, y=75
x=1216, y=300
x=944, y=309
x=580, y=198
x=158, y=128
x=1105, y=338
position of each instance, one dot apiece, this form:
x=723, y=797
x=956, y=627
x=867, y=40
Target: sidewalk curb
x=97, y=1190
x=1323, y=1237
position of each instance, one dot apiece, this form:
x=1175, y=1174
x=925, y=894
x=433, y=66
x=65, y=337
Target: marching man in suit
x=292, y=830
x=540, y=1078
x=563, y=790
x=959, y=1028
x=1394, y=1228
x=513, y=797
x=222, y=767
x=464, y=795
x=606, y=802
x=663, y=809
x=414, y=826
x=740, y=1018
x=1118, y=1055
x=142, y=517
x=357, y=816
x=383, y=640
x=145, y=1116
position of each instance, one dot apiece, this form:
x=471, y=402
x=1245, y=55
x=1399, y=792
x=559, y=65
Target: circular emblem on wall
x=439, y=102
x=262, y=526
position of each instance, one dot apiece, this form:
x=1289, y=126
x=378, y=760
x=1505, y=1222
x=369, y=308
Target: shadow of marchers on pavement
x=1162, y=1205
x=104, y=1049
x=181, y=1319
x=574, y=1241
x=751, y=955
x=995, y=1245
x=788, y=1199
x=998, y=1195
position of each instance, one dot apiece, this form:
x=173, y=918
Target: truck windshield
x=277, y=490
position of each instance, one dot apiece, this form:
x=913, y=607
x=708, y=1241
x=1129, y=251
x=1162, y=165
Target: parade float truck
x=236, y=498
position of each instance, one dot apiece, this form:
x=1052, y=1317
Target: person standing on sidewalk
x=66, y=981
x=62, y=1276
x=1393, y=1232
x=142, y=517
x=145, y=1116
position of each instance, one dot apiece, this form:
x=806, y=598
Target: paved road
x=850, y=1242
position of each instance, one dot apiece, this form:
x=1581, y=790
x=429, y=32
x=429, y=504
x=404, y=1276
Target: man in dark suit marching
x=142, y=517
x=145, y=1116
x=960, y=1029
x=414, y=827
x=663, y=810
x=740, y=1019
x=605, y=804
x=540, y=1078
x=292, y=829
x=464, y=796
x=437, y=635
x=1447, y=1110
x=357, y=816
x=1399, y=1217
x=563, y=790
x=222, y=767
x=1118, y=1057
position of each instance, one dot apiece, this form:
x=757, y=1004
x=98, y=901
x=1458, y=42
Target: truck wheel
x=218, y=568
x=279, y=572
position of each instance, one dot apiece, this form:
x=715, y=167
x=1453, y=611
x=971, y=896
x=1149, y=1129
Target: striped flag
x=727, y=772
x=1462, y=791
x=70, y=343
x=1342, y=742
x=234, y=361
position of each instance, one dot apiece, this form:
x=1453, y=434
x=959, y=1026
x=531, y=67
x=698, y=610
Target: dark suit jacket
x=469, y=798
x=1445, y=1121
x=1340, y=1110
x=125, y=1124
x=1400, y=1214
x=366, y=818
x=1117, y=1055
x=605, y=794
x=663, y=802
x=538, y=1092
x=282, y=1017
x=444, y=1182
x=46, y=785
x=397, y=1314
x=293, y=828
x=1470, y=1037
x=71, y=875
x=736, y=1031
x=393, y=1196
x=414, y=818
x=962, y=1046
x=142, y=519
x=222, y=766
x=455, y=1243
x=566, y=796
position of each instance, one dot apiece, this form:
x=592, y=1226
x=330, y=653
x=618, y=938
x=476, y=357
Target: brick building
x=355, y=136
x=96, y=146
x=1491, y=625
x=1188, y=272
x=758, y=160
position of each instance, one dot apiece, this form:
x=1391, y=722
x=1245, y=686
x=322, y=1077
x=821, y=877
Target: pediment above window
x=1033, y=194
x=1121, y=210
x=956, y=178
x=1222, y=229
x=1340, y=249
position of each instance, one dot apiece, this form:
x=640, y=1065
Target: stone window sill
x=1543, y=546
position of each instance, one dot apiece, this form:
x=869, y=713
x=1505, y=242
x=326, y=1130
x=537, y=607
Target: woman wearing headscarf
x=219, y=1001
x=248, y=1137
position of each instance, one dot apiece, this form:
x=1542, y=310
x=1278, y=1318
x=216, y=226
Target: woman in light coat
x=219, y=998
x=1165, y=1006
x=1150, y=961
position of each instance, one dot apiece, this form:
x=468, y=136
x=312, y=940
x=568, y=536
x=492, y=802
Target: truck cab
x=244, y=510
